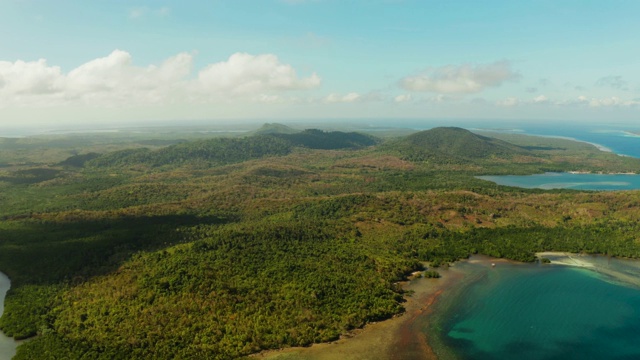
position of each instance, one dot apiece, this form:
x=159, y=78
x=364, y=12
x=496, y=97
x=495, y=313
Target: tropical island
x=137, y=246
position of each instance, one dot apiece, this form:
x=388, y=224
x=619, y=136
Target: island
x=192, y=245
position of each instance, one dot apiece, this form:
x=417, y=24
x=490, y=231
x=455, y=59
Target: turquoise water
x=569, y=181
x=543, y=312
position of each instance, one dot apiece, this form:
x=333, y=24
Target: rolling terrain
x=223, y=247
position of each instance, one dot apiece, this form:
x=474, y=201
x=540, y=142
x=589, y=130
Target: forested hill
x=452, y=143
x=274, y=128
x=218, y=151
x=329, y=140
x=223, y=151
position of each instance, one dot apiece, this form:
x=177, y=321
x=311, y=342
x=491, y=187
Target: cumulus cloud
x=540, y=99
x=441, y=99
x=508, y=102
x=244, y=73
x=605, y=102
x=22, y=78
x=402, y=98
x=462, y=79
x=115, y=80
x=612, y=102
x=348, y=98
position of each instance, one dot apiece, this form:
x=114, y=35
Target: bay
x=576, y=181
x=529, y=311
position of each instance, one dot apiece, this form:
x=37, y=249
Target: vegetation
x=219, y=248
x=454, y=144
x=431, y=274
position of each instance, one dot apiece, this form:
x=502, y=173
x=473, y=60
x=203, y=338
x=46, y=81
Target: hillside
x=329, y=140
x=212, y=152
x=224, y=151
x=274, y=128
x=293, y=247
x=452, y=143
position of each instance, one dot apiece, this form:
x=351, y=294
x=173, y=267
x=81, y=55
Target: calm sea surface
x=622, y=140
x=525, y=311
x=569, y=181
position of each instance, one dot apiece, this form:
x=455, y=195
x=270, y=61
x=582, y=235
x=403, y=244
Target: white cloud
x=348, y=98
x=540, y=99
x=22, y=78
x=441, y=99
x=508, y=102
x=114, y=80
x=245, y=74
x=462, y=79
x=606, y=102
x=143, y=11
x=402, y=98
x=612, y=102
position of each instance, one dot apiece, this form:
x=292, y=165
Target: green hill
x=213, y=152
x=452, y=143
x=274, y=128
x=329, y=140
x=222, y=151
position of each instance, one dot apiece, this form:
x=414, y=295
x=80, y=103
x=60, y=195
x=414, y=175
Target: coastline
x=565, y=258
x=619, y=271
x=7, y=345
x=396, y=338
x=403, y=337
x=596, y=145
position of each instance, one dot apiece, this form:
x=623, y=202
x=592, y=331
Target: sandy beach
x=563, y=258
x=625, y=272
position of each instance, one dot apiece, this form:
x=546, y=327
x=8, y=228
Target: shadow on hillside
x=36, y=252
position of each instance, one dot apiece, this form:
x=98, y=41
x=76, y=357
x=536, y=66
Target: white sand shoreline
x=564, y=258
x=627, y=275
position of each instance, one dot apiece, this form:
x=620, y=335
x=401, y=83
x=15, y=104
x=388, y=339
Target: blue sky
x=66, y=61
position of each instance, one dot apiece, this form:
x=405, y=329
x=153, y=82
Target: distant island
x=223, y=245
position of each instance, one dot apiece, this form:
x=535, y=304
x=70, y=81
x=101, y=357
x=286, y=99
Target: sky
x=122, y=62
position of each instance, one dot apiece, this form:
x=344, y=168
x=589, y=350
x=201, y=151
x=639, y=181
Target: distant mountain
x=274, y=128
x=222, y=151
x=329, y=140
x=454, y=144
x=213, y=152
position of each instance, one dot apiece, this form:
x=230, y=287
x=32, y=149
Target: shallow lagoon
x=569, y=181
x=526, y=311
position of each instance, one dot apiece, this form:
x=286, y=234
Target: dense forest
x=222, y=247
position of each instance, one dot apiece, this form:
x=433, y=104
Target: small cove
x=590, y=309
